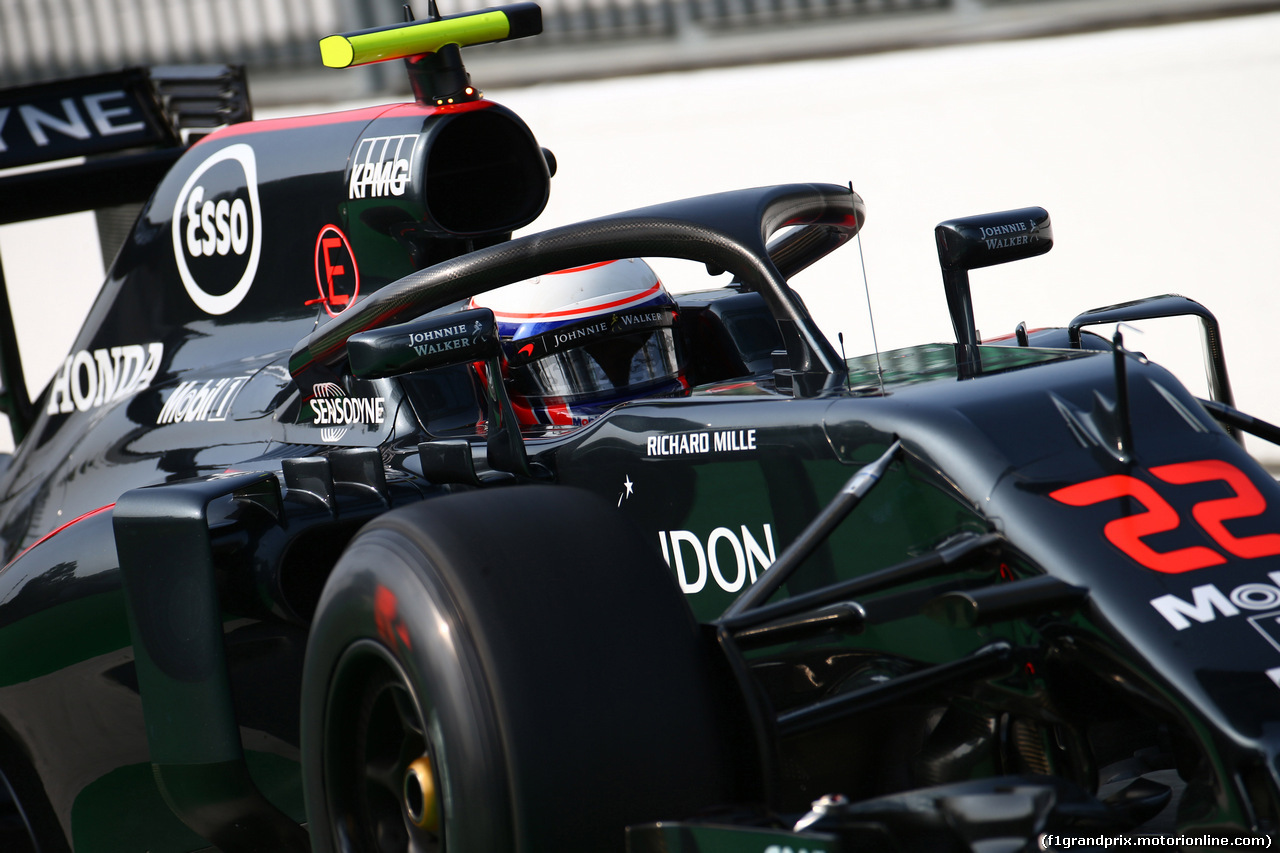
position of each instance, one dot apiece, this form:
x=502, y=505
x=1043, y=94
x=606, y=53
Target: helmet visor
x=601, y=366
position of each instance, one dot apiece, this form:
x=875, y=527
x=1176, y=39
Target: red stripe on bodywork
x=363, y=115
x=53, y=533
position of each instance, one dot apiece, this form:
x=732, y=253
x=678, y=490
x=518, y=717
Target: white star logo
x=627, y=489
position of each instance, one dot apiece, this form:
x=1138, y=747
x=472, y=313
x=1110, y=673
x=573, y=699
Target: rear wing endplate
x=106, y=139
x=95, y=142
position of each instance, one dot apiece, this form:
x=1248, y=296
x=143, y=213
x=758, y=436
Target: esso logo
x=231, y=221
x=217, y=229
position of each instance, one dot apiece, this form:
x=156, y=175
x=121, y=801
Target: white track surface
x=1152, y=149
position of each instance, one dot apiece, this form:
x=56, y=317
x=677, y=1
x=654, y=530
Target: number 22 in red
x=1127, y=533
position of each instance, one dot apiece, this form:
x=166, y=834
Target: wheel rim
x=420, y=795
x=379, y=775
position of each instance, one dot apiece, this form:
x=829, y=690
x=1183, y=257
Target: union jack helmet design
x=579, y=341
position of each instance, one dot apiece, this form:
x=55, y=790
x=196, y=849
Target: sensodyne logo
x=217, y=229
x=335, y=412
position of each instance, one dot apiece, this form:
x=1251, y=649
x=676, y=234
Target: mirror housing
x=993, y=238
x=982, y=241
x=463, y=337
x=425, y=343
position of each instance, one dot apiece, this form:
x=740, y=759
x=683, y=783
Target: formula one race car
x=351, y=523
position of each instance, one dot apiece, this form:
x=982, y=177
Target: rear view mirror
x=982, y=241
x=993, y=238
x=422, y=344
x=443, y=341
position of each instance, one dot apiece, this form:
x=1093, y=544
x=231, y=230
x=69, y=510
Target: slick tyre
x=27, y=821
x=505, y=670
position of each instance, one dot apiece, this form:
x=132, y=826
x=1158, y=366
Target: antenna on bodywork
x=438, y=76
x=1124, y=425
x=866, y=288
x=848, y=383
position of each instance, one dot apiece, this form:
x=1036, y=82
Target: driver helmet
x=579, y=341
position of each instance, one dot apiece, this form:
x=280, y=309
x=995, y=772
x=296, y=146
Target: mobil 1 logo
x=217, y=229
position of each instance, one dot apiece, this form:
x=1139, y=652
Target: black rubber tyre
x=27, y=822
x=533, y=646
